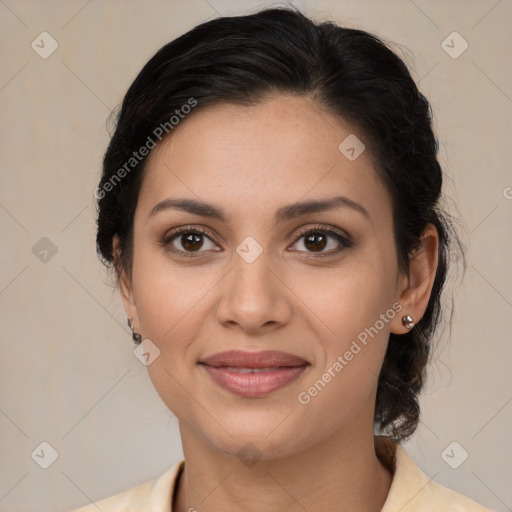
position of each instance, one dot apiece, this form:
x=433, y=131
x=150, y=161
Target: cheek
x=355, y=309
x=349, y=299
x=167, y=296
x=171, y=306
x=341, y=388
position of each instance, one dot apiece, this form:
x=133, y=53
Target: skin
x=251, y=161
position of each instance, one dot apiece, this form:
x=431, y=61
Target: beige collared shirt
x=411, y=491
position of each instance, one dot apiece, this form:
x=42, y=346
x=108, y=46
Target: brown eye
x=316, y=240
x=187, y=241
x=192, y=241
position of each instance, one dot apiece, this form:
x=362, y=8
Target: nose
x=254, y=296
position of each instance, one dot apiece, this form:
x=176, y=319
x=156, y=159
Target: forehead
x=279, y=151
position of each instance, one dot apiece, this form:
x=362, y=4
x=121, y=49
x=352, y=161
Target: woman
x=270, y=205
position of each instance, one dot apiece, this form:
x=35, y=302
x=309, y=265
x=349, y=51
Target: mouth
x=253, y=374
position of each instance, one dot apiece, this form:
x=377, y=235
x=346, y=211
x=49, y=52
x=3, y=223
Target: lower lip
x=254, y=385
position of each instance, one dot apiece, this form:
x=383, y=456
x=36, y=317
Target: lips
x=264, y=359
x=253, y=374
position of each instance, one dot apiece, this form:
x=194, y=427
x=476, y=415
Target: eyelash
x=169, y=237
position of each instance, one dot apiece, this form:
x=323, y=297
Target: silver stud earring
x=407, y=321
x=137, y=338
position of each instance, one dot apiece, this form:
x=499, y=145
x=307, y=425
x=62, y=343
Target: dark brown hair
x=354, y=75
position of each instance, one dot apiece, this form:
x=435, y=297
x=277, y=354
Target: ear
x=125, y=285
x=415, y=286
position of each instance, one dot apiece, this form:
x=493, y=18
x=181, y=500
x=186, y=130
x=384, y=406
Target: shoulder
x=155, y=495
x=413, y=491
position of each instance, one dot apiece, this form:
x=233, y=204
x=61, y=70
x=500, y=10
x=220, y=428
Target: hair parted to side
x=354, y=75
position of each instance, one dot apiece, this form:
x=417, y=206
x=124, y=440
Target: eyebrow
x=282, y=214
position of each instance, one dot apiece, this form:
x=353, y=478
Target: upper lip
x=264, y=359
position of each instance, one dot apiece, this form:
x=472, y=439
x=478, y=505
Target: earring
x=407, y=322
x=137, y=338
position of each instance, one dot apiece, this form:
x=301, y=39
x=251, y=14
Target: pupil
x=192, y=242
x=316, y=244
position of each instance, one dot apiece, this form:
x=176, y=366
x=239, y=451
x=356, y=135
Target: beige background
x=68, y=374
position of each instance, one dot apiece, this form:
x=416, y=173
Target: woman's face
x=252, y=281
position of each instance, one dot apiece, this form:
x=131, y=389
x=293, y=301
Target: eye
x=186, y=241
x=319, y=238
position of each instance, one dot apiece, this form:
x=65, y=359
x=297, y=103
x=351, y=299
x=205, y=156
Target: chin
x=258, y=442
x=251, y=449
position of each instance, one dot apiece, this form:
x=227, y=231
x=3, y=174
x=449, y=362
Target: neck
x=342, y=473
